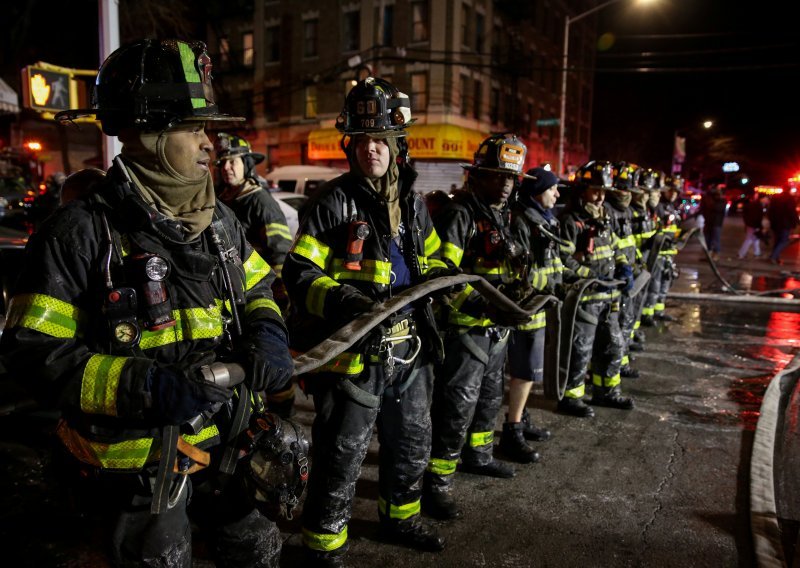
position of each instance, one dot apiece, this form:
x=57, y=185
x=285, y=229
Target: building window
x=384, y=28
x=419, y=21
x=419, y=91
x=466, y=36
x=272, y=103
x=247, y=49
x=351, y=31
x=224, y=52
x=494, y=106
x=311, y=102
x=479, y=31
x=477, y=108
x=464, y=95
x=272, y=43
x=530, y=117
x=311, y=38
x=508, y=110
x=247, y=103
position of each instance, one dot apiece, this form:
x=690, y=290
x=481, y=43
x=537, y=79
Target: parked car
x=12, y=249
x=290, y=204
x=301, y=179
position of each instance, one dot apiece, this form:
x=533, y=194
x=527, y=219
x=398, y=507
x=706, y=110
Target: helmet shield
x=376, y=108
x=596, y=173
x=502, y=153
x=152, y=85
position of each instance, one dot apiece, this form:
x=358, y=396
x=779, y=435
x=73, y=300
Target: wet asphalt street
x=665, y=484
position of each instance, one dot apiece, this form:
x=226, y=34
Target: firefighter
x=669, y=224
x=122, y=314
x=476, y=237
x=263, y=222
x=643, y=227
x=366, y=236
x=597, y=338
x=617, y=204
x=536, y=229
x=653, y=184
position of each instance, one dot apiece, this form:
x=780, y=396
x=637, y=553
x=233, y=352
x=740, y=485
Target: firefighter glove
x=266, y=358
x=178, y=393
x=625, y=272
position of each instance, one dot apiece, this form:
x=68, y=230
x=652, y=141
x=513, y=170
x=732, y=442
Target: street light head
x=708, y=124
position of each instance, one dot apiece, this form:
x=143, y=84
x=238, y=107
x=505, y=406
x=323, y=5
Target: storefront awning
x=9, y=102
x=425, y=141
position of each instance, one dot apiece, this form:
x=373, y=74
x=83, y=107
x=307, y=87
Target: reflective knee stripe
x=45, y=314
x=255, y=269
x=442, y=467
x=398, y=511
x=99, y=384
x=626, y=360
x=278, y=230
x=312, y=249
x=344, y=364
x=601, y=381
x=190, y=324
x=478, y=439
x=577, y=392
x=324, y=542
x=317, y=292
x=259, y=303
x=452, y=252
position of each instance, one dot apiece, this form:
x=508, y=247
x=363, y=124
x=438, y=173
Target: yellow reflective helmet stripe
x=317, y=292
x=190, y=324
x=312, y=249
x=398, y=511
x=324, y=542
x=255, y=270
x=478, y=439
x=99, y=384
x=45, y=314
x=442, y=467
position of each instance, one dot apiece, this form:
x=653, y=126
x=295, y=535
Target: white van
x=301, y=179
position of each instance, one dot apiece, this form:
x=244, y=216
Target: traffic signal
x=49, y=89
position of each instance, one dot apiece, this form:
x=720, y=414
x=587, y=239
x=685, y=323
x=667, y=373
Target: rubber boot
x=636, y=345
x=575, y=407
x=531, y=430
x=628, y=372
x=437, y=498
x=325, y=559
x=412, y=533
x=611, y=397
x=647, y=321
x=664, y=316
x=514, y=446
x=492, y=469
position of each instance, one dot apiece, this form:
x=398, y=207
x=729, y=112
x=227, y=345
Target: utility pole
x=108, y=12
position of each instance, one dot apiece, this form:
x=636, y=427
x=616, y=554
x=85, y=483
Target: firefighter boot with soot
x=514, y=446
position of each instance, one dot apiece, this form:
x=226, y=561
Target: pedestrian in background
x=782, y=219
x=713, y=208
x=753, y=217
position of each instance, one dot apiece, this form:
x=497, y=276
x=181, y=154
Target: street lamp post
x=564, y=68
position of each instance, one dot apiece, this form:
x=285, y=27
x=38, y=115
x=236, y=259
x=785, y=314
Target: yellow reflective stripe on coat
x=190, y=324
x=539, y=278
x=459, y=318
x=324, y=542
x=398, y=511
x=601, y=296
x=343, y=364
x=317, y=292
x=481, y=266
x=538, y=321
x=626, y=242
x=478, y=439
x=426, y=263
x=44, y=314
x=567, y=248
x=312, y=249
x=602, y=252
x=432, y=243
x=583, y=271
x=258, y=303
x=377, y=271
x=452, y=252
x=278, y=229
x=255, y=270
x=99, y=384
x=442, y=467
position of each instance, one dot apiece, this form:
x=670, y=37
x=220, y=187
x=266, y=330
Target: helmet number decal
x=511, y=156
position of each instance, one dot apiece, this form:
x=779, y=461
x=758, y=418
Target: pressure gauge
x=156, y=268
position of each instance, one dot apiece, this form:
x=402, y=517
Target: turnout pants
x=628, y=313
x=467, y=396
x=597, y=339
x=341, y=435
x=654, y=288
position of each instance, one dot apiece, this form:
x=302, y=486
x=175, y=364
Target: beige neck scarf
x=186, y=200
x=386, y=186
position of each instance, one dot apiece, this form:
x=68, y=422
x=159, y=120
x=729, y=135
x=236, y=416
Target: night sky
x=736, y=63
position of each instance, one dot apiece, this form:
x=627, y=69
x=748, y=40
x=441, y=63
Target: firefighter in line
x=652, y=182
x=366, y=236
x=476, y=237
x=644, y=229
x=597, y=338
x=669, y=224
x=617, y=204
x=263, y=222
x=536, y=229
x=124, y=306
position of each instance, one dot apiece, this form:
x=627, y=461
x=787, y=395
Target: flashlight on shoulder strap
x=359, y=231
